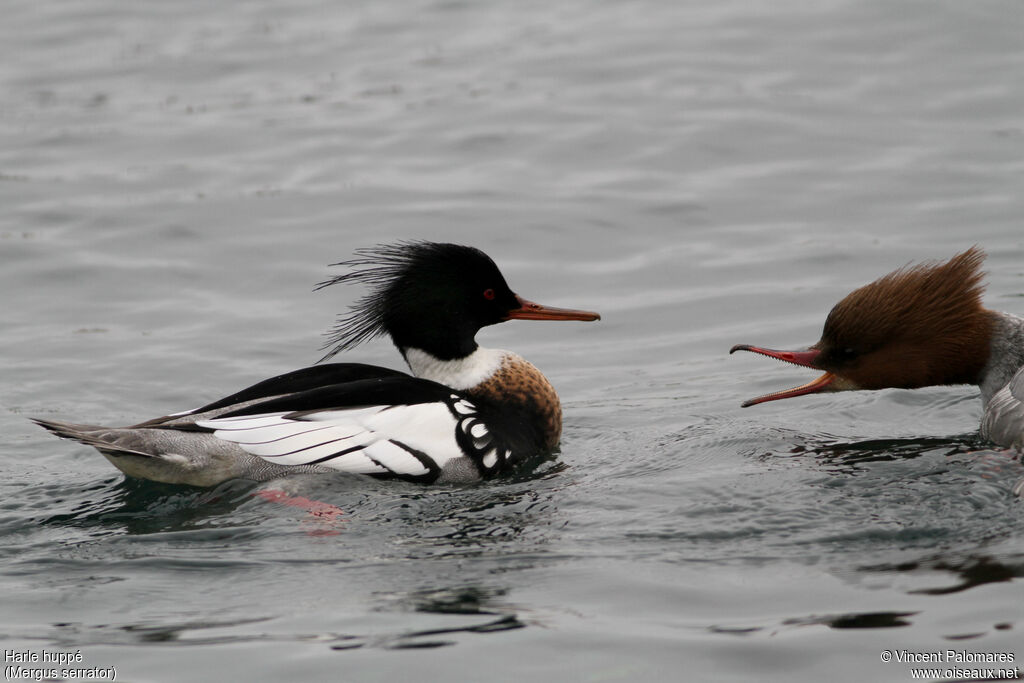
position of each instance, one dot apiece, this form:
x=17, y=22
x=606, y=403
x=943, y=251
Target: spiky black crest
x=376, y=267
x=402, y=278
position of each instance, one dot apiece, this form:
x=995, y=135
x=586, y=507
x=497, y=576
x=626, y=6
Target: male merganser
x=466, y=414
x=920, y=326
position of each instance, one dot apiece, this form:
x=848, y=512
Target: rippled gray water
x=175, y=177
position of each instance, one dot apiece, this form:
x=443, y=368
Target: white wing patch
x=367, y=440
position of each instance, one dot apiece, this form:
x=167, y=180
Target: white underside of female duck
x=1002, y=386
x=1003, y=421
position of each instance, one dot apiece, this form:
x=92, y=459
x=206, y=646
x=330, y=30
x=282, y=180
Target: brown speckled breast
x=518, y=382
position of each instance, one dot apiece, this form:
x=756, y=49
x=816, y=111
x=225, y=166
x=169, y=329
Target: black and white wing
x=410, y=440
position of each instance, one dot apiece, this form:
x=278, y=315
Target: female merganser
x=468, y=413
x=920, y=326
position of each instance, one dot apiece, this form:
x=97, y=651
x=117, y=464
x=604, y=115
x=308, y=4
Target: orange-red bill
x=813, y=387
x=805, y=358
x=530, y=311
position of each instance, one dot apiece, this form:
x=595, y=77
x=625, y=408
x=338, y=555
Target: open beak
x=530, y=311
x=806, y=358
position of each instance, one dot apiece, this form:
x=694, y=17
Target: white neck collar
x=461, y=373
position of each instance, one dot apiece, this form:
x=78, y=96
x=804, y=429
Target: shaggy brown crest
x=918, y=326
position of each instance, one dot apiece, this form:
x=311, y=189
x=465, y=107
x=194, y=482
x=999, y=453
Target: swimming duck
x=465, y=413
x=920, y=326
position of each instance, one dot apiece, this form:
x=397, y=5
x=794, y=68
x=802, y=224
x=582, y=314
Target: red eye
x=489, y=294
